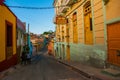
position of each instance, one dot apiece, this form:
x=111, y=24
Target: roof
x=21, y=25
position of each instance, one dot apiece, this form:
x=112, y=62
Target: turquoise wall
x=94, y=55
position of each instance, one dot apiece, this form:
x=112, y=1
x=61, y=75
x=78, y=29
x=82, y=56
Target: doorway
x=9, y=40
x=68, y=52
x=88, y=29
x=113, y=36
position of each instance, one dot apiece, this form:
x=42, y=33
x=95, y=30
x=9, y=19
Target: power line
x=31, y=7
x=37, y=7
x=23, y=7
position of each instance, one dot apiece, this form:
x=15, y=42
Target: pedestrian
x=27, y=49
x=25, y=55
x=28, y=58
x=24, y=58
x=28, y=54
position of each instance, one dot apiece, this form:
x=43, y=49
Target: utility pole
x=29, y=42
x=28, y=29
x=28, y=37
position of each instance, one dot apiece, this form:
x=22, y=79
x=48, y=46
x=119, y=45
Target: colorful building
x=83, y=33
x=8, y=40
x=21, y=32
x=37, y=41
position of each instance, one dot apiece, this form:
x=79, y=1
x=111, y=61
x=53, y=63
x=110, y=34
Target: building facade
x=21, y=32
x=8, y=40
x=113, y=31
x=83, y=32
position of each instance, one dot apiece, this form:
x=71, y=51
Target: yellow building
x=8, y=55
x=83, y=32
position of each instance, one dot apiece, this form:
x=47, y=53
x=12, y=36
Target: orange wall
x=112, y=9
x=5, y=14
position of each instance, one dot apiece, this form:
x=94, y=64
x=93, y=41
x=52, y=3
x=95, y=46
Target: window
x=75, y=30
x=91, y=24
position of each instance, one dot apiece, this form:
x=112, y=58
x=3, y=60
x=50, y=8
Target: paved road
x=44, y=68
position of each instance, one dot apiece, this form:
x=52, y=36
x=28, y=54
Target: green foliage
x=48, y=32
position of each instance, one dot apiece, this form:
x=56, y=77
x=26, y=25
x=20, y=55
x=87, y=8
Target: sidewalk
x=90, y=72
x=10, y=70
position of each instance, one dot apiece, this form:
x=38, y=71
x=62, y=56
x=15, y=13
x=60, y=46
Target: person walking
x=28, y=54
x=26, y=58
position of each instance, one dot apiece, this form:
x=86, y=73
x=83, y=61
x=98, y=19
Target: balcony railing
x=66, y=4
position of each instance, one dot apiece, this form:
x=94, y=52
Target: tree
x=48, y=32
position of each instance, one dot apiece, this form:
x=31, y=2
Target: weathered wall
x=95, y=54
x=90, y=54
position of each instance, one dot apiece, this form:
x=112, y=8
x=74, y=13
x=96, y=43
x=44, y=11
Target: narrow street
x=59, y=40
x=44, y=67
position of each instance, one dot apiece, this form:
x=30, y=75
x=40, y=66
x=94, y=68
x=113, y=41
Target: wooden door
x=67, y=33
x=88, y=29
x=9, y=40
x=113, y=34
x=63, y=51
x=75, y=30
x=75, y=33
x=68, y=52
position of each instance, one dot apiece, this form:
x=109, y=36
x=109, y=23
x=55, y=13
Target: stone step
x=111, y=72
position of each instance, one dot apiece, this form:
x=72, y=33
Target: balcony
x=60, y=20
x=63, y=9
x=64, y=6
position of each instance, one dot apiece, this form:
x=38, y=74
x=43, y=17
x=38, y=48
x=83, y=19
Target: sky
x=39, y=20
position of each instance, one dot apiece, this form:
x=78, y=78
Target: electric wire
x=23, y=7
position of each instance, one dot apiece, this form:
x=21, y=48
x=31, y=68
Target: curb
x=88, y=75
x=85, y=74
